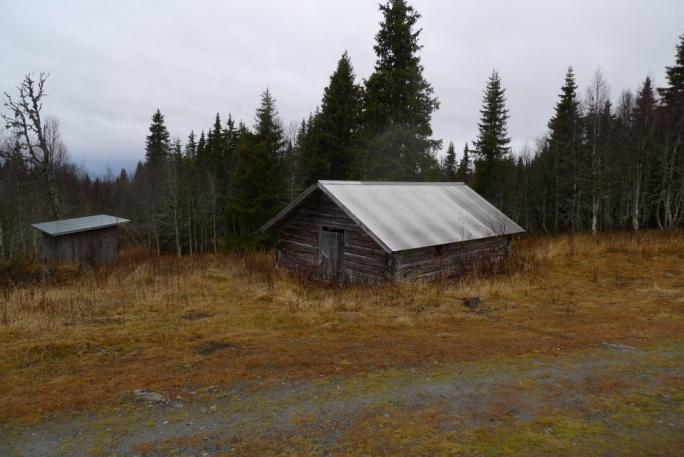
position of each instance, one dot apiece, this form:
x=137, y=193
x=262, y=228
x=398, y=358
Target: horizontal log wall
x=450, y=259
x=297, y=247
x=364, y=260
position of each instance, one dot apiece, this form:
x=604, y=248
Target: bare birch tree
x=39, y=141
x=597, y=108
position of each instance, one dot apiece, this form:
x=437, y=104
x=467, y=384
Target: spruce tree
x=122, y=179
x=464, y=166
x=157, y=142
x=398, y=102
x=268, y=128
x=190, y=150
x=300, y=138
x=157, y=152
x=670, y=158
x=215, y=144
x=449, y=165
x=644, y=105
x=139, y=173
x=310, y=161
x=492, y=142
x=643, y=152
x=673, y=94
x=259, y=189
x=201, y=148
x=231, y=136
x=334, y=134
x=564, y=138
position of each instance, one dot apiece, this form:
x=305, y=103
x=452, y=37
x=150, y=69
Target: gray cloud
x=113, y=63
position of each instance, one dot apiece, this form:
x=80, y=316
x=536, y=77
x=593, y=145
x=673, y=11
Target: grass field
x=79, y=342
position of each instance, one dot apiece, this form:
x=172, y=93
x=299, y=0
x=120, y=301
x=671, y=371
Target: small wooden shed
x=356, y=231
x=91, y=240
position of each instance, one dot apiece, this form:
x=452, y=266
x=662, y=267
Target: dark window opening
x=332, y=229
x=439, y=251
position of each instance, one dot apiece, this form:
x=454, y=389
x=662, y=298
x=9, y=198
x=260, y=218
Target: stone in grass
x=150, y=397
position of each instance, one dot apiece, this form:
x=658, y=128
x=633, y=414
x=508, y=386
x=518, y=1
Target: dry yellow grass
x=87, y=339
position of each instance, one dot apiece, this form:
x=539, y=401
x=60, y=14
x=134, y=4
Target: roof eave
x=429, y=245
x=71, y=232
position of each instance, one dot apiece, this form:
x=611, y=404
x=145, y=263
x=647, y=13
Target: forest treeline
x=603, y=164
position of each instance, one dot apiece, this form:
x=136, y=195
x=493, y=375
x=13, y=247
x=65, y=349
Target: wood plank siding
x=93, y=247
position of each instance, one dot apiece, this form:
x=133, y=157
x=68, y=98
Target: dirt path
x=608, y=399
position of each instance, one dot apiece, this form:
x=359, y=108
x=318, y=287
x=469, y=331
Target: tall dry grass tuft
x=260, y=265
x=67, y=296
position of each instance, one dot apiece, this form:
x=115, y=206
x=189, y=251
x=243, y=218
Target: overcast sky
x=112, y=64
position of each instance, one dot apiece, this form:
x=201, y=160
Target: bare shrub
x=260, y=265
x=524, y=259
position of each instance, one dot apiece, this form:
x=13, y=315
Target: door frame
x=340, y=263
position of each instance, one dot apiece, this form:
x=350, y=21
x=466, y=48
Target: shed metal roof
x=79, y=224
x=410, y=215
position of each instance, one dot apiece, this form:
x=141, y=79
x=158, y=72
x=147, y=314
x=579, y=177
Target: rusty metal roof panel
x=79, y=224
x=410, y=215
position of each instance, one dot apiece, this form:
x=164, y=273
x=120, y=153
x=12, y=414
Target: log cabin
x=374, y=232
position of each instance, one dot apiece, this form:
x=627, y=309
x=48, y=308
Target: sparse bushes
x=260, y=264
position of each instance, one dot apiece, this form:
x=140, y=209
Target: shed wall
x=95, y=247
x=298, y=237
x=450, y=259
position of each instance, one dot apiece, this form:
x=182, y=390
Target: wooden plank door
x=330, y=253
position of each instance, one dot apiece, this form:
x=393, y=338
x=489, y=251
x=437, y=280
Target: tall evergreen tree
x=122, y=179
x=157, y=142
x=673, y=94
x=334, y=135
x=671, y=158
x=157, y=153
x=563, y=146
x=190, y=150
x=201, y=147
x=231, y=136
x=492, y=142
x=304, y=149
x=449, y=166
x=463, y=172
x=399, y=102
x=215, y=147
x=258, y=182
x=642, y=137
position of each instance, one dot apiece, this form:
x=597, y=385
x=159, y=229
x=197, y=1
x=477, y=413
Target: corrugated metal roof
x=79, y=224
x=410, y=215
